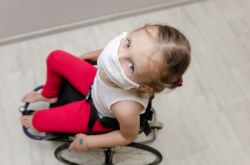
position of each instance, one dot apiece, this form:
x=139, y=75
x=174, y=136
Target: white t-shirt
x=104, y=96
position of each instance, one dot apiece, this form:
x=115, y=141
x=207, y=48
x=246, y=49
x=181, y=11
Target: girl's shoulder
x=127, y=108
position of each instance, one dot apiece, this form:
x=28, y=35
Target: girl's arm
x=92, y=56
x=128, y=115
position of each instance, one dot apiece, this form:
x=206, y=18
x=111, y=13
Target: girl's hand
x=79, y=143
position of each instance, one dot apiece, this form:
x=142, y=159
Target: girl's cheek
x=124, y=68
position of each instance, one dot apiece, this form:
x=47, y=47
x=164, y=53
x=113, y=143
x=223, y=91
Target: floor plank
x=206, y=121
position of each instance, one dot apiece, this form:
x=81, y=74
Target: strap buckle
x=88, y=96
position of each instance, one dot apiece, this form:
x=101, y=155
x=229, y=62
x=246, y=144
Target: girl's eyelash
x=131, y=67
x=127, y=43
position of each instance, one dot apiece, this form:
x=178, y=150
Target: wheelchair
x=135, y=153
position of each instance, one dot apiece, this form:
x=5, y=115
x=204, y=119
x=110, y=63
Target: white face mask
x=109, y=64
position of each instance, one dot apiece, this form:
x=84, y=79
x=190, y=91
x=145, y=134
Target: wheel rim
x=133, y=154
x=91, y=157
x=136, y=154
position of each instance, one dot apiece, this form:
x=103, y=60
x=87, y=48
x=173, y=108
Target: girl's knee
x=55, y=56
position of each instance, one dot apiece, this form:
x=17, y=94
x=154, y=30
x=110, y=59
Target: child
x=131, y=68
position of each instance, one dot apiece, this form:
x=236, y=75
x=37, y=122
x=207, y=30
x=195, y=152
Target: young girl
x=131, y=68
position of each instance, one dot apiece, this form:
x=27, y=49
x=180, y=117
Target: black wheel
x=133, y=154
x=136, y=154
x=91, y=157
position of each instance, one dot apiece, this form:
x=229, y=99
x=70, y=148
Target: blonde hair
x=175, y=49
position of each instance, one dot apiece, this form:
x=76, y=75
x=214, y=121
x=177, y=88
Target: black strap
x=110, y=123
x=105, y=121
x=92, y=118
x=145, y=117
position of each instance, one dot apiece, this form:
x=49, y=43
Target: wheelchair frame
x=108, y=153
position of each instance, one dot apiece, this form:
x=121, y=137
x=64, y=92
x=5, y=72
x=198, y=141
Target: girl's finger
x=76, y=136
x=71, y=147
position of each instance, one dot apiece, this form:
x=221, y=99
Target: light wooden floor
x=207, y=122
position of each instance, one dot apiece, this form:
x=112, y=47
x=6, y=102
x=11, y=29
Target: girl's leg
x=61, y=65
x=69, y=118
x=73, y=117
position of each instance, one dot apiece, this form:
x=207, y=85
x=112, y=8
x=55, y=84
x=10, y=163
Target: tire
x=132, y=154
x=136, y=154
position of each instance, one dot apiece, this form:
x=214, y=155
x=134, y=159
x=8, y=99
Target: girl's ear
x=146, y=88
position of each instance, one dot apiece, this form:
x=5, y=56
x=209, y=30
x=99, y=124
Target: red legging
x=72, y=117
